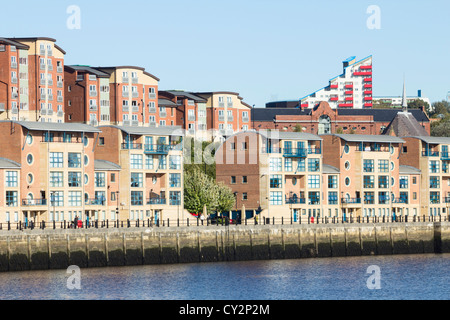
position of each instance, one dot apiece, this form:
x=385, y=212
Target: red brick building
x=323, y=120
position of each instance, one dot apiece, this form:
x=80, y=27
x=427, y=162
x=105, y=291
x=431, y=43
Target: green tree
x=227, y=200
x=200, y=190
x=441, y=128
x=440, y=107
x=419, y=103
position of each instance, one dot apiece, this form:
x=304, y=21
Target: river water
x=399, y=277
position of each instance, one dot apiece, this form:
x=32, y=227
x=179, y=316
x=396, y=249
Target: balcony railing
x=430, y=153
x=156, y=201
x=34, y=202
x=351, y=200
x=295, y=200
x=400, y=200
x=157, y=148
x=96, y=201
x=445, y=156
x=131, y=146
x=295, y=152
x=271, y=150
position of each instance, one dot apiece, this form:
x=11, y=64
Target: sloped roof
x=53, y=126
x=369, y=138
x=104, y=165
x=8, y=164
x=405, y=124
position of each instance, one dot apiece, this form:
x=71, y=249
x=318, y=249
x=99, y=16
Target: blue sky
x=264, y=49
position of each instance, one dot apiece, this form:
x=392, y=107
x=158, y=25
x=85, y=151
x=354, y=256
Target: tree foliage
x=200, y=190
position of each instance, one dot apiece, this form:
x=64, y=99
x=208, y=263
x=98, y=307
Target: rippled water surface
x=401, y=277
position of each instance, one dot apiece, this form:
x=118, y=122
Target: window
x=233, y=180
x=368, y=165
x=100, y=179
x=174, y=198
x=332, y=182
x=275, y=164
x=369, y=182
x=347, y=181
x=74, y=198
x=244, y=196
x=314, y=197
x=74, y=179
x=347, y=165
x=136, y=161
x=56, y=179
x=57, y=198
x=148, y=162
x=74, y=160
x=314, y=181
x=434, y=166
x=11, y=199
x=175, y=162
x=11, y=179
x=56, y=160
x=288, y=164
x=403, y=182
x=383, y=165
x=175, y=180
x=383, y=182
x=136, y=198
x=404, y=197
x=244, y=179
x=434, y=182
x=162, y=159
x=276, y=198
x=369, y=198
x=313, y=165
x=275, y=181
x=332, y=197
x=137, y=180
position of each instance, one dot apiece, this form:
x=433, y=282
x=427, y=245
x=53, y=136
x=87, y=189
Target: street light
x=235, y=195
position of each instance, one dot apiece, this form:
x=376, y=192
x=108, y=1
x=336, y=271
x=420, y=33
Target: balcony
x=131, y=146
x=430, y=153
x=446, y=200
x=135, y=94
x=59, y=69
x=152, y=95
x=151, y=110
x=245, y=119
x=134, y=80
x=125, y=80
x=13, y=80
x=92, y=93
x=163, y=114
x=348, y=92
x=95, y=202
x=334, y=98
x=2, y=107
x=365, y=67
x=367, y=80
x=368, y=92
x=345, y=105
x=60, y=113
x=157, y=149
x=367, y=85
x=156, y=201
x=362, y=73
x=271, y=150
x=294, y=200
x=348, y=98
x=43, y=112
x=295, y=152
x=93, y=108
x=368, y=98
x=134, y=109
x=59, y=99
x=368, y=105
x=14, y=110
x=191, y=118
x=34, y=202
x=351, y=200
x=445, y=156
x=348, y=86
x=400, y=200
x=134, y=123
x=14, y=65
x=333, y=86
x=125, y=94
x=221, y=118
x=59, y=84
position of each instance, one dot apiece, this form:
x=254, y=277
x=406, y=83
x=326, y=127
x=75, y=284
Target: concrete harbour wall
x=57, y=249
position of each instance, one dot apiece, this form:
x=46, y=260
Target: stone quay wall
x=86, y=248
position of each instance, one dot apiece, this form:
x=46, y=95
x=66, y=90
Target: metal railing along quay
x=221, y=221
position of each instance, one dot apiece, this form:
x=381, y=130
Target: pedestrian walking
x=75, y=222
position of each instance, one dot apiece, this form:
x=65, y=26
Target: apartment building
x=32, y=80
x=226, y=113
x=133, y=96
x=151, y=170
x=190, y=110
x=431, y=156
x=87, y=95
x=351, y=89
x=51, y=176
x=371, y=181
x=278, y=173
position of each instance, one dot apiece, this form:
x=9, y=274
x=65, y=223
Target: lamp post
x=52, y=194
x=235, y=196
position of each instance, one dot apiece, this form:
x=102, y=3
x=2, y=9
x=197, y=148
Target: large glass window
x=369, y=198
x=434, y=197
x=275, y=181
x=74, y=160
x=175, y=198
x=368, y=165
x=75, y=198
x=175, y=180
x=136, y=161
x=12, y=199
x=137, y=180
x=136, y=198
x=275, y=164
x=11, y=179
x=314, y=197
x=149, y=162
x=369, y=182
x=434, y=166
x=175, y=162
x=74, y=179
x=332, y=182
x=404, y=182
x=288, y=164
x=56, y=160
x=276, y=198
x=56, y=179
x=100, y=180
x=313, y=165
x=314, y=181
x=332, y=197
x=383, y=197
x=162, y=162
x=434, y=182
x=383, y=165
x=383, y=181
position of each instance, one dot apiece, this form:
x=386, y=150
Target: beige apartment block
x=151, y=170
